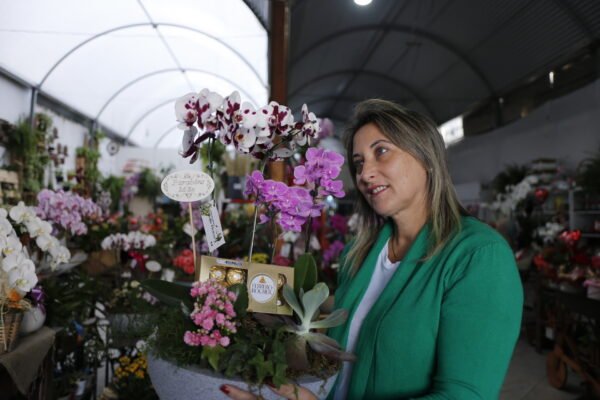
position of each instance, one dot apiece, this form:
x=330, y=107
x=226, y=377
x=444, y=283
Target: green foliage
x=305, y=273
x=241, y=303
x=91, y=173
x=149, y=185
x=512, y=175
x=172, y=294
x=588, y=174
x=29, y=151
x=114, y=185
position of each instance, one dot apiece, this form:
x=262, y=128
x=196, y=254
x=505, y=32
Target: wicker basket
x=9, y=330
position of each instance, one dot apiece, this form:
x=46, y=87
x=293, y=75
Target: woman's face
x=392, y=181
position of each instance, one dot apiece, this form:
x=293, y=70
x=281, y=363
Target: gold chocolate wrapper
x=235, y=276
x=217, y=273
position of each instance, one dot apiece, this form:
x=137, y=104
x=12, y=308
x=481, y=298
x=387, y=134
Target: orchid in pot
x=20, y=229
x=213, y=329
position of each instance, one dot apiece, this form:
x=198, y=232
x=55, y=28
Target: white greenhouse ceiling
x=124, y=62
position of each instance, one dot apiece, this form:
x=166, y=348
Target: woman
x=434, y=296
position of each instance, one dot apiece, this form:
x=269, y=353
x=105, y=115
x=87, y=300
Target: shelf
x=590, y=235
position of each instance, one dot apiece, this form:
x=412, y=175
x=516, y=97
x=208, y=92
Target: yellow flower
x=139, y=374
x=124, y=360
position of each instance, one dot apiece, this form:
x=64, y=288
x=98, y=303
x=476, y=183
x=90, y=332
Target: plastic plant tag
x=187, y=186
x=264, y=281
x=212, y=226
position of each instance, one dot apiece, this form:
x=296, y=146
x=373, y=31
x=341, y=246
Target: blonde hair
x=417, y=135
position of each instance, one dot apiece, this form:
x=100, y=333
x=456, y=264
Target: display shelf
x=591, y=235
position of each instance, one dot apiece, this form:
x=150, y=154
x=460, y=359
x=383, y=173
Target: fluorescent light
x=362, y=2
x=452, y=131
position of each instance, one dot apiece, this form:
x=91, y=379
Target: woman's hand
x=288, y=391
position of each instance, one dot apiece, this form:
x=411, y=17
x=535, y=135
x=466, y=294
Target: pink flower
x=224, y=341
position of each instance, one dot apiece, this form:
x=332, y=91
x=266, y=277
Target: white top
x=384, y=269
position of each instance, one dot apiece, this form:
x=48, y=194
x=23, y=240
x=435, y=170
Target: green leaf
x=313, y=299
x=305, y=273
x=213, y=354
x=241, y=303
x=336, y=318
x=172, y=294
x=292, y=300
x=263, y=367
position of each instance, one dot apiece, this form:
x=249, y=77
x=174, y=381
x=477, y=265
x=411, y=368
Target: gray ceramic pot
x=190, y=383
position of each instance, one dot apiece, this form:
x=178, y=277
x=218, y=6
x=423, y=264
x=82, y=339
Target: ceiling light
x=362, y=2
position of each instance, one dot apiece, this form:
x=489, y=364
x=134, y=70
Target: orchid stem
x=262, y=169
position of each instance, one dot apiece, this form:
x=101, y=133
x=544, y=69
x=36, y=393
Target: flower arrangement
x=18, y=274
x=232, y=341
x=67, y=210
x=213, y=314
x=131, y=378
x=131, y=241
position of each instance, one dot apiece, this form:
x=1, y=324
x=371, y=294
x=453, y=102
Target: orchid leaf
x=212, y=354
x=171, y=294
x=305, y=273
x=313, y=299
x=241, y=303
x=336, y=318
x=296, y=354
x=292, y=300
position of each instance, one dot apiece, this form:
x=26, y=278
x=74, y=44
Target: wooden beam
x=279, y=39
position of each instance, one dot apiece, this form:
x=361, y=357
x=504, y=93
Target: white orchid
x=23, y=279
x=60, y=255
x=37, y=227
x=21, y=213
x=12, y=245
x=15, y=260
x=46, y=242
x=6, y=227
x=185, y=110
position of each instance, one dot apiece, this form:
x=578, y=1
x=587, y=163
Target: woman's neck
x=406, y=229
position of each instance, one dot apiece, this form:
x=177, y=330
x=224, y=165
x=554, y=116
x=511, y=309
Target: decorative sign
x=187, y=185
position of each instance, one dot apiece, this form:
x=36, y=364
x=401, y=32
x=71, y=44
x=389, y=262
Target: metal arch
x=148, y=75
x=164, y=135
x=323, y=99
x=144, y=115
x=376, y=74
x=576, y=17
x=155, y=25
x=404, y=29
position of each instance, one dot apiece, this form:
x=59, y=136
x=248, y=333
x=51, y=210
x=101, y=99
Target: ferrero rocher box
x=264, y=281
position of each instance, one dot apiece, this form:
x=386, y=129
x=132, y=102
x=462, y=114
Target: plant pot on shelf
x=9, y=329
x=33, y=320
x=185, y=383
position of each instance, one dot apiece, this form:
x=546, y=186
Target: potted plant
x=212, y=339
x=18, y=272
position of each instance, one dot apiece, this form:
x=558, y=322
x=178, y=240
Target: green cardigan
x=444, y=328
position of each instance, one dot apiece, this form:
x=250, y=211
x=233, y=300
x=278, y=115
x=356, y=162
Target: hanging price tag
x=212, y=226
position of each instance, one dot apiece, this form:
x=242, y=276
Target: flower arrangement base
x=9, y=329
x=187, y=383
x=33, y=320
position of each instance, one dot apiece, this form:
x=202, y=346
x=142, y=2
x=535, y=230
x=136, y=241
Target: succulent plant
x=306, y=307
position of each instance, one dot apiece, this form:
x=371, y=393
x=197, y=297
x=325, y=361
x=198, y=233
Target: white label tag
x=212, y=226
x=187, y=185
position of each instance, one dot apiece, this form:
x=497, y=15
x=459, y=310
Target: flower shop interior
x=146, y=145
